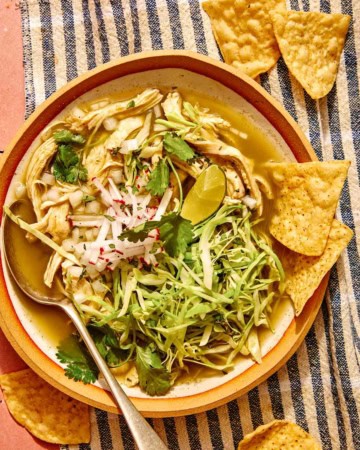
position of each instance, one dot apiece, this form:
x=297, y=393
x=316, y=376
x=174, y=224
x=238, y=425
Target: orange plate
x=296, y=141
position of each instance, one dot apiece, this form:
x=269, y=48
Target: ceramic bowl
x=220, y=82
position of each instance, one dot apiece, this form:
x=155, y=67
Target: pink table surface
x=12, y=107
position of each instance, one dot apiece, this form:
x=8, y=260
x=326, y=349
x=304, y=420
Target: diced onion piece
x=53, y=195
x=48, y=178
x=79, y=297
x=93, y=207
x=129, y=146
x=75, y=198
x=99, y=105
x=77, y=112
x=117, y=175
x=75, y=271
x=249, y=202
x=99, y=287
x=20, y=190
x=110, y=123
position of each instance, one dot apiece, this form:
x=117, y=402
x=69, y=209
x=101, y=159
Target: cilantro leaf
x=131, y=104
x=67, y=155
x=79, y=364
x=67, y=166
x=153, y=377
x=67, y=137
x=107, y=343
x=159, y=178
x=176, y=146
x=175, y=233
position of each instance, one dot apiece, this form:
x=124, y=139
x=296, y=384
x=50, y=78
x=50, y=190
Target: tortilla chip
x=305, y=203
x=311, y=44
x=304, y=273
x=45, y=412
x=279, y=434
x=244, y=33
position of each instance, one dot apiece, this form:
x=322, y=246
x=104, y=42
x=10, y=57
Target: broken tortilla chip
x=305, y=202
x=304, y=273
x=311, y=44
x=279, y=434
x=45, y=412
x=244, y=33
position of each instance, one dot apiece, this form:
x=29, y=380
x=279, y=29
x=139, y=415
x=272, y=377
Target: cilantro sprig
x=160, y=176
x=153, y=377
x=174, y=145
x=79, y=364
x=67, y=166
x=176, y=233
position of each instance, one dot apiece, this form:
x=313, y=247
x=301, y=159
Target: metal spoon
x=144, y=436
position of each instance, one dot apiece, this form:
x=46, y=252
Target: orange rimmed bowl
x=219, y=81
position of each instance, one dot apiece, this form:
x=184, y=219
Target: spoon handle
x=144, y=436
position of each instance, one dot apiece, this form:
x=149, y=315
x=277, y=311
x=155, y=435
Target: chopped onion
x=75, y=198
x=53, y=195
x=20, y=190
x=249, y=202
x=77, y=113
x=99, y=287
x=75, y=271
x=99, y=105
x=48, y=178
x=129, y=146
x=110, y=123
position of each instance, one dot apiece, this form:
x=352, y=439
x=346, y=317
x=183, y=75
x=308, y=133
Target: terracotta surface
x=292, y=135
x=12, y=99
x=12, y=106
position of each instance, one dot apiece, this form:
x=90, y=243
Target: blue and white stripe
x=319, y=387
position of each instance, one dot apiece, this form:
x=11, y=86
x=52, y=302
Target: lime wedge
x=206, y=196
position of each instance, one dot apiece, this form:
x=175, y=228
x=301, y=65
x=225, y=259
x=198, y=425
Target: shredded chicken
x=52, y=267
x=39, y=160
x=55, y=222
x=141, y=103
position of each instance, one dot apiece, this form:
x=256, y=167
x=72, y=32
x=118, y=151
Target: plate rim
x=279, y=119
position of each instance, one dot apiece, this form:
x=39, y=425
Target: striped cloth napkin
x=319, y=387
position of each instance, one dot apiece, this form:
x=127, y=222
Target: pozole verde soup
x=165, y=295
